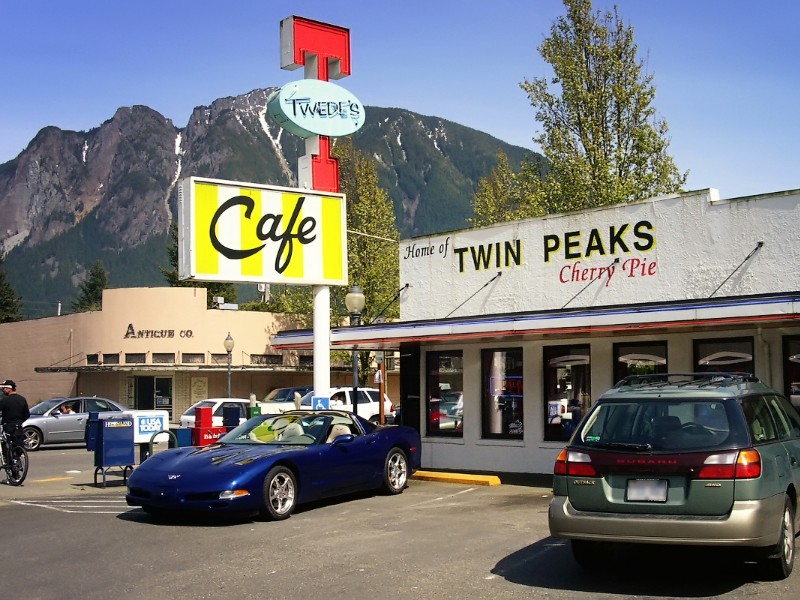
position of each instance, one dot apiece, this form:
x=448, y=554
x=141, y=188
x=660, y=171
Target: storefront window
x=724, y=355
x=567, y=389
x=501, y=395
x=643, y=358
x=444, y=401
x=791, y=369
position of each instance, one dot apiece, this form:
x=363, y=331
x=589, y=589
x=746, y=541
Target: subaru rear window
x=662, y=425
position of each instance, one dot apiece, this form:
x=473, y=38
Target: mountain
x=71, y=198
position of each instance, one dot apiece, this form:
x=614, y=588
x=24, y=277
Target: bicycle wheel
x=17, y=469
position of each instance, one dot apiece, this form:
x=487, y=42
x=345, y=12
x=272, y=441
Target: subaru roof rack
x=711, y=378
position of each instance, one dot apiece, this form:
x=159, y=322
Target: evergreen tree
x=213, y=289
x=600, y=133
x=10, y=303
x=91, y=294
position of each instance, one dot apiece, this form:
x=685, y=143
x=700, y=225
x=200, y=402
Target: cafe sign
x=250, y=233
x=314, y=107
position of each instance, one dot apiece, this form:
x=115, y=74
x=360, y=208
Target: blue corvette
x=272, y=463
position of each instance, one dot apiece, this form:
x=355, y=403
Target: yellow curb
x=50, y=479
x=457, y=478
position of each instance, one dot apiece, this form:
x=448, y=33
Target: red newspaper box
x=203, y=416
x=203, y=436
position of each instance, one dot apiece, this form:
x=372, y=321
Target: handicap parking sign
x=321, y=402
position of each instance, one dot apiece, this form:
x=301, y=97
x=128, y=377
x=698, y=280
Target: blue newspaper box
x=230, y=416
x=90, y=436
x=114, y=447
x=183, y=437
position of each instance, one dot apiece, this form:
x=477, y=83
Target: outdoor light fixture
x=354, y=301
x=229, y=349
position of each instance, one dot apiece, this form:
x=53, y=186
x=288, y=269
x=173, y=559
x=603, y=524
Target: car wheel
x=779, y=564
x=375, y=419
x=280, y=493
x=395, y=471
x=33, y=438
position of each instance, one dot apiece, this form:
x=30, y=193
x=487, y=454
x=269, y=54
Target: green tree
x=508, y=196
x=91, y=294
x=600, y=132
x=10, y=303
x=213, y=289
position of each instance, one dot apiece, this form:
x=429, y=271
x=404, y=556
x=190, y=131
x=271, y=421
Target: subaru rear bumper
x=753, y=523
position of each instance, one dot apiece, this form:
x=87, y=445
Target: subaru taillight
x=745, y=464
x=575, y=464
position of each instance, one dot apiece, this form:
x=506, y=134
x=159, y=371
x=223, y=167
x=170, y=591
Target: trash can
x=253, y=411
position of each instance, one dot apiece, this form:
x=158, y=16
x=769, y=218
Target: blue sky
x=727, y=72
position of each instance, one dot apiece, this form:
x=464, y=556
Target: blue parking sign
x=321, y=402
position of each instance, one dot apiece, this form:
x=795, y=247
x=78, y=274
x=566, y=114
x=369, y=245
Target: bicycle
x=17, y=467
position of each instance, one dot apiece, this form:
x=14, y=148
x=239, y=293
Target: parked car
x=708, y=459
x=341, y=398
x=272, y=463
x=282, y=399
x=63, y=420
x=217, y=406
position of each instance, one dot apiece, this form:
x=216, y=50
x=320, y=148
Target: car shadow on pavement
x=208, y=518
x=636, y=570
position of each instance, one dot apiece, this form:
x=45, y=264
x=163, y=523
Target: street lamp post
x=229, y=349
x=354, y=301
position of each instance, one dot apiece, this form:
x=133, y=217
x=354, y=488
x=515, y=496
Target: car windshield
x=660, y=425
x=287, y=429
x=278, y=395
x=45, y=405
x=204, y=404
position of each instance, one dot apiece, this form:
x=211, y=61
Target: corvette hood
x=218, y=458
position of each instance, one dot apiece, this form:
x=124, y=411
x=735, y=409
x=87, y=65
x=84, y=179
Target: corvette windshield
x=290, y=429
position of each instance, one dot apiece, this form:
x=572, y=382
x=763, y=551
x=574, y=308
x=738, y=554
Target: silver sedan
x=63, y=420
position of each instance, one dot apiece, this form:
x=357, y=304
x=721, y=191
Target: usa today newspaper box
x=147, y=423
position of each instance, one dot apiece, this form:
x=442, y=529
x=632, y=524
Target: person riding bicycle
x=14, y=412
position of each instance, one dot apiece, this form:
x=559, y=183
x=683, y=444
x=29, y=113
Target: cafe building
x=509, y=333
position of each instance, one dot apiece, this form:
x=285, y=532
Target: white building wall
x=686, y=246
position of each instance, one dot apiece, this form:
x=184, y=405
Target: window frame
x=490, y=403
x=433, y=379
x=561, y=430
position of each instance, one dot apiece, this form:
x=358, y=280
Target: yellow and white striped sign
x=245, y=232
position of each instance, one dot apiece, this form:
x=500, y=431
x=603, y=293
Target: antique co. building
x=154, y=348
x=508, y=333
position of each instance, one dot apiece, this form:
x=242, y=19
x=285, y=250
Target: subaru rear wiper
x=626, y=446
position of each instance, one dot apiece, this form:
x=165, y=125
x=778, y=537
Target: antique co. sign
x=312, y=107
x=241, y=232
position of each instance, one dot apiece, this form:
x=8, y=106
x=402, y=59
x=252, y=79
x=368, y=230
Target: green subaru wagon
x=700, y=459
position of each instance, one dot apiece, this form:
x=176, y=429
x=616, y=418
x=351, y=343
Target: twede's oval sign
x=314, y=107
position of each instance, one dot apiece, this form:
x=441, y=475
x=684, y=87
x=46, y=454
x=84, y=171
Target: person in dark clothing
x=14, y=411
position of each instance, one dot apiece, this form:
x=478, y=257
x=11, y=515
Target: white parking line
x=441, y=498
x=88, y=506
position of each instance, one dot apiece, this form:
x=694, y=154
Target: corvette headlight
x=233, y=494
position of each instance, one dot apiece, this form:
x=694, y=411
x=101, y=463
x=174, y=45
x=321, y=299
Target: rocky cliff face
x=71, y=198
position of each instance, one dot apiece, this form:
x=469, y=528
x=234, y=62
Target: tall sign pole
x=324, y=51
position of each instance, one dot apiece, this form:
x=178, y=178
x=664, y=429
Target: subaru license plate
x=647, y=490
